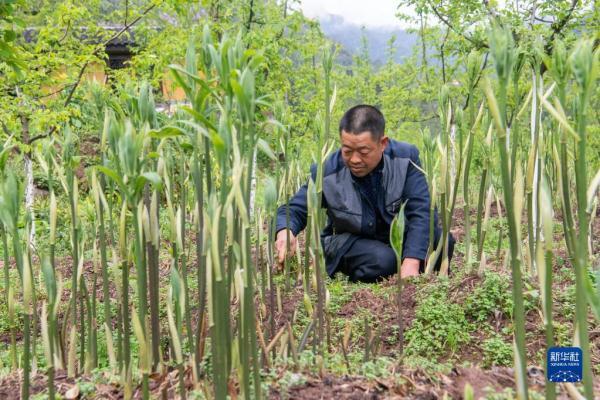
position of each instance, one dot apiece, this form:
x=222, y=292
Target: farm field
x=473, y=309
x=150, y=149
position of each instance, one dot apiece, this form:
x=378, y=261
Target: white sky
x=362, y=12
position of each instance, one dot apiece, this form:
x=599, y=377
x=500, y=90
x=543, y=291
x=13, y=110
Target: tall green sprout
x=10, y=207
x=130, y=175
x=234, y=142
x=66, y=170
x=270, y=201
x=473, y=67
x=53, y=285
x=396, y=241
x=584, y=66
x=449, y=126
x=8, y=288
x=314, y=196
x=544, y=261
x=532, y=186
x=560, y=73
x=503, y=53
x=199, y=93
x=484, y=183
x=429, y=166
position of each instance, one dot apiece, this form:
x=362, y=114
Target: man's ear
x=384, y=141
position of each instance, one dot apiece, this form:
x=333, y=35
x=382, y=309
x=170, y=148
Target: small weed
x=562, y=333
x=340, y=292
x=291, y=379
x=493, y=294
x=497, y=352
x=506, y=394
x=429, y=365
x=566, y=302
x=509, y=394
x=438, y=325
x=378, y=368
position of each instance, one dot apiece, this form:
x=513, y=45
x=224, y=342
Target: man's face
x=361, y=152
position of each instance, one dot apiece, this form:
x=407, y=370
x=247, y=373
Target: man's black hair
x=363, y=118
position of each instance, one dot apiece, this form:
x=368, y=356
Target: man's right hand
x=281, y=245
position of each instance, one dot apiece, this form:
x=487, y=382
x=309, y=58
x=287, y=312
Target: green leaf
x=112, y=174
x=199, y=117
x=266, y=149
x=49, y=279
x=397, y=232
x=186, y=146
x=593, y=297
x=168, y=131
x=181, y=82
x=196, y=78
x=9, y=35
x=151, y=177
x=270, y=194
x=217, y=141
x=591, y=191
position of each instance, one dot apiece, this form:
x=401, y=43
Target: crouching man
x=365, y=182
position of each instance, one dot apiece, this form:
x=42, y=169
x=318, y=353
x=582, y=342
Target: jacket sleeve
x=416, y=211
x=298, y=212
x=298, y=206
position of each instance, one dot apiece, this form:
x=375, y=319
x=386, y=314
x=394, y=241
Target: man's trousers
x=369, y=260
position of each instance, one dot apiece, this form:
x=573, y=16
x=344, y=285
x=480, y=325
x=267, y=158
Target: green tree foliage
x=9, y=53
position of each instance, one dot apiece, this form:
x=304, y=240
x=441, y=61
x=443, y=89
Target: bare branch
x=66, y=32
x=62, y=89
x=544, y=20
x=557, y=28
x=431, y=117
x=443, y=56
x=479, y=75
x=76, y=84
x=478, y=44
x=37, y=137
x=102, y=47
x=250, y=16
x=5, y=129
x=96, y=52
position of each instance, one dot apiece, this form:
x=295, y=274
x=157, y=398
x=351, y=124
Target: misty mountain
x=349, y=35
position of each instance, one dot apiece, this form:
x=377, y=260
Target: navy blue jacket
x=352, y=213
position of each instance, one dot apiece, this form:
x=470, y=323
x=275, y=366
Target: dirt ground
x=407, y=383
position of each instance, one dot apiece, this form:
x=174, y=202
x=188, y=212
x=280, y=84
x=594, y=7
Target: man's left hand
x=410, y=267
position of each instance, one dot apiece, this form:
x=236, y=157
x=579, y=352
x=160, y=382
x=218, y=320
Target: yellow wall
x=96, y=71
x=170, y=90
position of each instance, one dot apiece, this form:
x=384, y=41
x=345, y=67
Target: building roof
x=125, y=39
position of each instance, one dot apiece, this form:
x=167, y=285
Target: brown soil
x=414, y=385
x=10, y=385
x=384, y=313
x=162, y=385
x=289, y=303
x=332, y=387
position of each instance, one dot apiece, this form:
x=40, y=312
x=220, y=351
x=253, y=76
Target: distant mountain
x=349, y=35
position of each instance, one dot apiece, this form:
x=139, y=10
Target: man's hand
x=410, y=267
x=281, y=245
